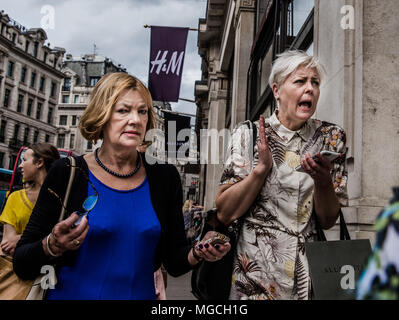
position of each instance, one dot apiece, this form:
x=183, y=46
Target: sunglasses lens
x=90, y=202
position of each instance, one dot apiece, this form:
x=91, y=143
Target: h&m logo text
x=165, y=64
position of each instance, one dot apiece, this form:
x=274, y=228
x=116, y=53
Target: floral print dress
x=270, y=261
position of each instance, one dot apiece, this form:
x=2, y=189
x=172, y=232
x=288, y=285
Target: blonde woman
x=136, y=223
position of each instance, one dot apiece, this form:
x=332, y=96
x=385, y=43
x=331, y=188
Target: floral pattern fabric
x=380, y=279
x=270, y=261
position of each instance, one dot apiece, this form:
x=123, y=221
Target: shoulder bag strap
x=68, y=190
x=343, y=229
x=254, y=131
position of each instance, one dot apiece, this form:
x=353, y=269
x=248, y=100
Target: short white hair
x=288, y=62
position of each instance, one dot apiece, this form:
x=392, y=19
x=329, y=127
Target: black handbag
x=212, y=280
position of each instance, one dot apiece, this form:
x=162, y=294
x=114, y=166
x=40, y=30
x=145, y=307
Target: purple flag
x=168, y=47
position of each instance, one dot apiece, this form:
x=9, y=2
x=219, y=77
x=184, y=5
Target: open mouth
x=305, y=104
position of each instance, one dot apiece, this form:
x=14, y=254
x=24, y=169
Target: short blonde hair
x=289, y=61
x=104, y=96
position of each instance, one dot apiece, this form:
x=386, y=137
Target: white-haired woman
x=280, y=205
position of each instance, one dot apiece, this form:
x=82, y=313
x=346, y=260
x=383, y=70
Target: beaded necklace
x=128, y=175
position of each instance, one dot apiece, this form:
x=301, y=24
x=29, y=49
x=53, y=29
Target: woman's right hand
x=66, y=236
x=265, y=156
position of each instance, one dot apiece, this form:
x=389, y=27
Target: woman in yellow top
x=15, y=216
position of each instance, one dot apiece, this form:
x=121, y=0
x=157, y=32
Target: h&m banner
x=168, y=45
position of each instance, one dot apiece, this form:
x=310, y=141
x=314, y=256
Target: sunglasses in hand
x=89, y=203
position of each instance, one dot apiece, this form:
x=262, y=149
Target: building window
x=6, y=97
x=309, y=50
x=33, y=79
x=50, y=115
x=93, y=81
x=27, y=43
x=261, y=9
x=67, y=84
x=76, y=99
x=74, y=120
x=1, y=159
x=29, y=109
x=10, y=69
x=229, y=93
x=42, y=82
x=72, y=142
x=298, y=11
x=61, y=141
x=16, y=132
x=52, y=91
x=89, y=145
x=23, y=74
x=20, y=101
x=3, y=130
x=14, y=37
x=39, y=111
x=35, y=49
x=35, y=136
x=13, y=158
x=47, y=138
x=63, y=120
x=26, y=136
x=65, y=98
x=45, y=57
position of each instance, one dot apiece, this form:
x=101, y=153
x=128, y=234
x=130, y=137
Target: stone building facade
x=30, y=78
x=80, y=76
x=357, y=42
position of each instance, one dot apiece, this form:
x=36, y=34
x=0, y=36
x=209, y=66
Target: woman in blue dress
x=136, y=224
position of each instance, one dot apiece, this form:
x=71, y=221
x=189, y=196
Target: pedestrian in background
x=36, y=162
x=136, y=223
x=192, y=214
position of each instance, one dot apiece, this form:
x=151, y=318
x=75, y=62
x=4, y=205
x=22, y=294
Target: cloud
x=116, y=27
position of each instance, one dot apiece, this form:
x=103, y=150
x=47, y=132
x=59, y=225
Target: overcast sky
x=116, y=27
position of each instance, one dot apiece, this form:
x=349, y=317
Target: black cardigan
x=166, y=197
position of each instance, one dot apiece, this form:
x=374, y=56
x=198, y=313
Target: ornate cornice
x=247, y=4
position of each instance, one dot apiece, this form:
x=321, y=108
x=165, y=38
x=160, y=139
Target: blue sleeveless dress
x=116, y=259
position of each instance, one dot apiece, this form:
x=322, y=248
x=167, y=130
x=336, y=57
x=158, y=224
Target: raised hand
x=265, y=156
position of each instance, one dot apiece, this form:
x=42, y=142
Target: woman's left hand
x=211, y=252
x=319, y=171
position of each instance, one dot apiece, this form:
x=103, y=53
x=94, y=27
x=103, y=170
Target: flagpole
x=188, y=100
x=191, y=29
x=180, y=113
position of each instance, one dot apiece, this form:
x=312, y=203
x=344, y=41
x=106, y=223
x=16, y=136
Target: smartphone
x=329, y=155
x=217, y=238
